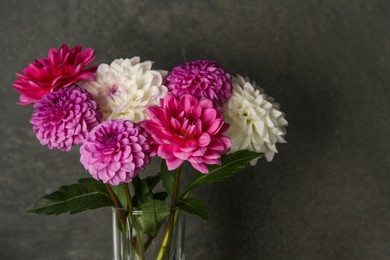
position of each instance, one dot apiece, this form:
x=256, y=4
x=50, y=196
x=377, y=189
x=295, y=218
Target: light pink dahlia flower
x=200, y=78
x=115, y=151
x=186, y=128
x=62, y=68
x=64, y=118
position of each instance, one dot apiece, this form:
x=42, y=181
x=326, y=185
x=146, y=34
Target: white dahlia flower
x=125, y=88
x=256, y=123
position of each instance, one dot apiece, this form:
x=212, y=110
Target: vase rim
x=138, y=212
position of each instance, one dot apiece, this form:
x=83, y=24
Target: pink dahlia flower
x=115, y=151
x=64, y=118
x=62, y=68
x=186, y=128
x=200, y=78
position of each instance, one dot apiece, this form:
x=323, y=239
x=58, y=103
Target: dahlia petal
x=257, y=116
x=269, y=156
x=103, y=177
x=206, y=103
x=57, y=118
x=115, y=181
x=139, y=162
x=179, y=134
x=114, y=166
x=212, y=161
x=157, y=114
x=182, y=155
x=224, y=128
x=173, y=164
x=198, y=128
x=216, y=144
x=118, y=155
x=195, y=159
x=107, y=151
x=119, y=160
x=105, y=158
x=209, y=116
x=200, y=167
x=215, y=126
x=193, y=78
x=204, y=139
x=125, y=88
x=136, y=147
x=94, y=154
x=78, y=139
x=126, y=152
x=210, y=155
x=128, y=167
x=175, y=124
x=60, y=69
x=189, y=146
x=191, y=130
x=186, y=102
x=108, y=172
x=165, y=151
x=200, y=152
x=121, y=175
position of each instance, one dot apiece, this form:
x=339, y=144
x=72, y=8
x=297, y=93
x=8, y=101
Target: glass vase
x=126, y=245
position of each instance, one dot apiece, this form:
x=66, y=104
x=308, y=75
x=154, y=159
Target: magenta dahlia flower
x=62, y=68
x=200, y=78
x=64, y=118
x=115, y=151
x=186, y=128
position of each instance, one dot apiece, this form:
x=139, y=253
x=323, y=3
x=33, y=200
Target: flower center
x=56, y=102
x=109, y=139
x=113, y=90
x=188, y=127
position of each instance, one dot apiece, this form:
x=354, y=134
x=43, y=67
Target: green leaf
x=143, y=189
x=119, y=192
x=152, y=181
x=160, y=195
x=140, y=190
x=153, y=216
x=83, y=195
x=136, y=182
x=195, y=207
x=167, y=177
x=231, y=164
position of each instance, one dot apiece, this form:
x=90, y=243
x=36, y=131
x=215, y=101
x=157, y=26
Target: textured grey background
x=326, y=196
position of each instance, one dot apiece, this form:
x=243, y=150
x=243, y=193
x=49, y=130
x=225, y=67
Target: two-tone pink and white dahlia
x=200, y=78
x=63, y=67
x=187, y=129
x=126, y=87
x=115, y=151
x=62, y=119
x=256, y=123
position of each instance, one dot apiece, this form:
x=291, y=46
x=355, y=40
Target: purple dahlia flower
x=115, y=151
x=64, y=118
x=200, y=78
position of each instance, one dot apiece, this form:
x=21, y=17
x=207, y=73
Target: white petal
x=255, y=120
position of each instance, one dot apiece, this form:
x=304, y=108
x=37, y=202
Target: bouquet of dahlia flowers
x=125, y=113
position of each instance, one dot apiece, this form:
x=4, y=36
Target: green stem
x=139, y=244
x=117, y=205
x=122, y=216
x=186, y=194
x=148, y=242
x=167, y=238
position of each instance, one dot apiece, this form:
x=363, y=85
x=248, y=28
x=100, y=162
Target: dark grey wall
x=326, y=196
